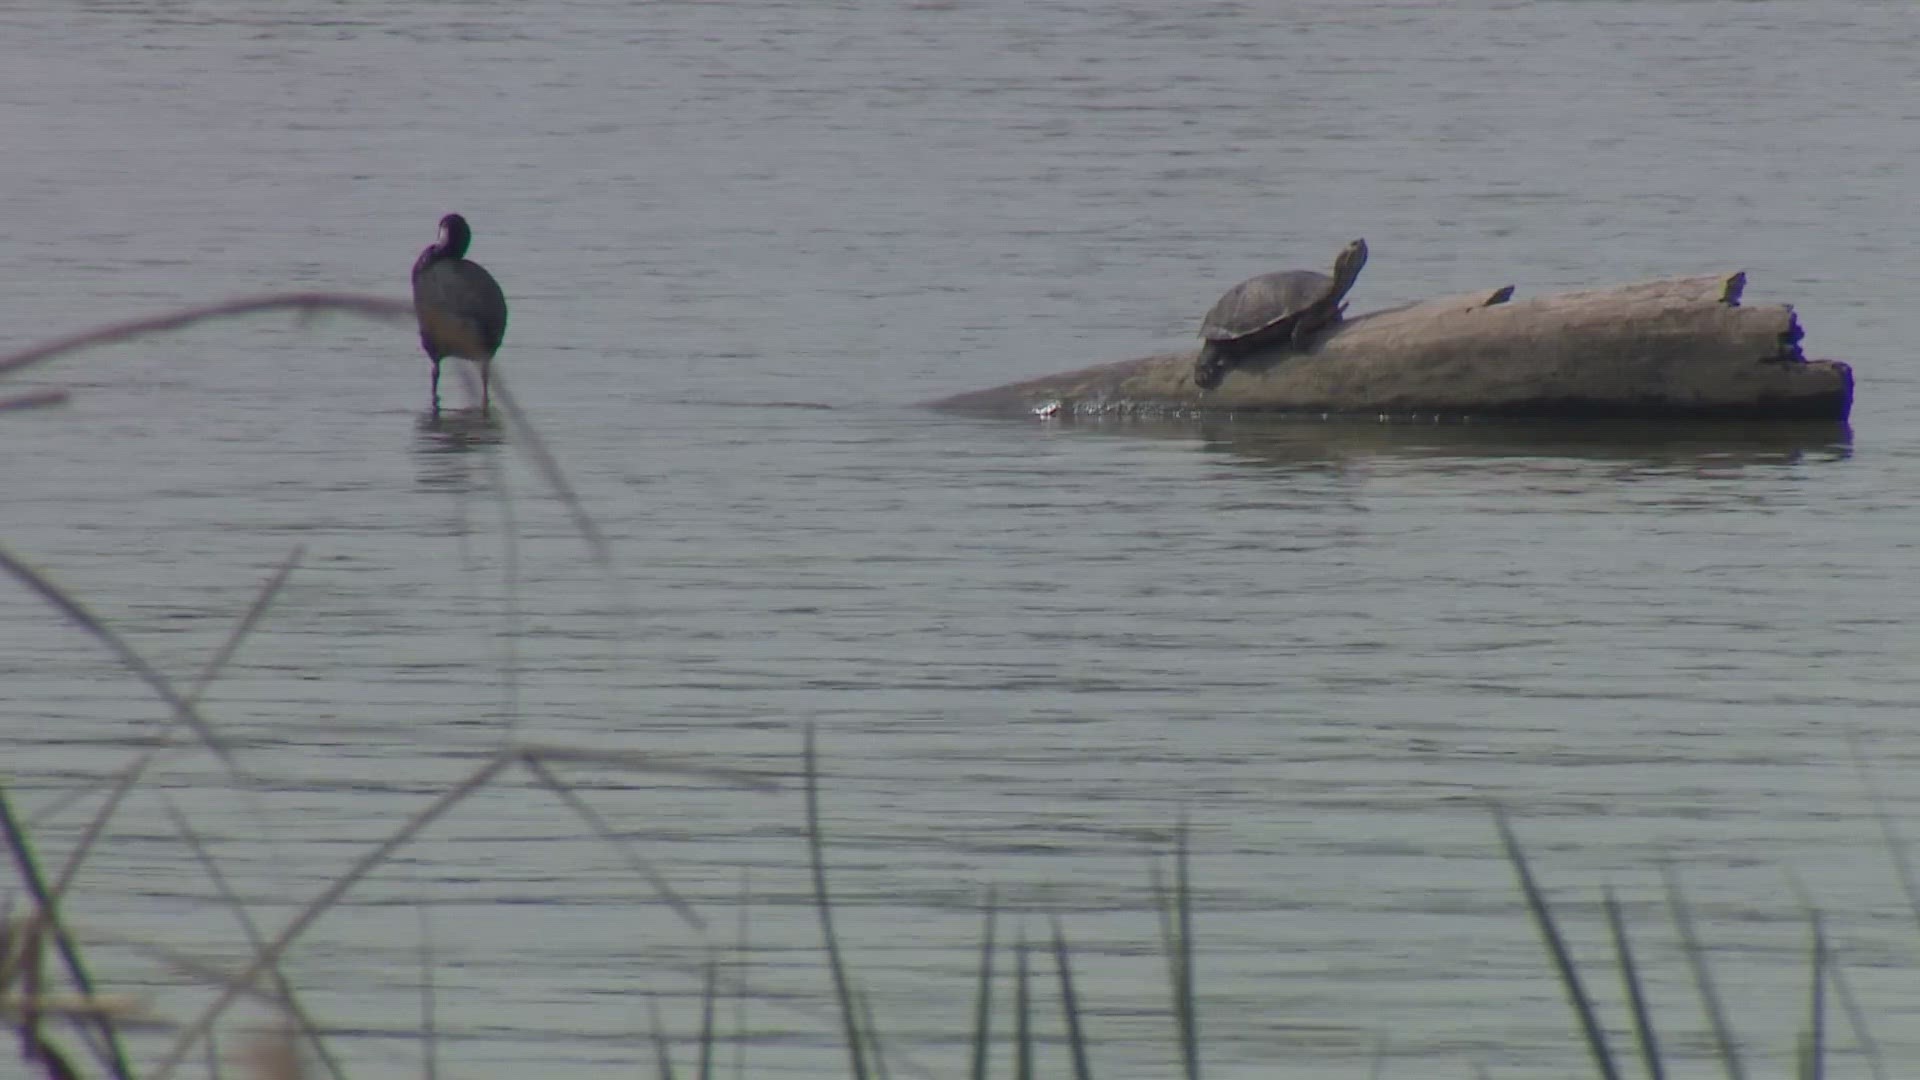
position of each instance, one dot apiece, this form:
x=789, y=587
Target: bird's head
x=454, y=236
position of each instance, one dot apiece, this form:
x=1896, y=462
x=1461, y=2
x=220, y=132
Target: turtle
x=459, y=306
x=1278, y=310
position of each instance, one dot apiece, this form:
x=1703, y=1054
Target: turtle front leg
x=1210, y=366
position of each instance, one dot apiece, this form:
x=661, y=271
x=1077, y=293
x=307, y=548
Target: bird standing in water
x=461, y=310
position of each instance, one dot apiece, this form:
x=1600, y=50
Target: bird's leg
x=435, y=384
x=486, y=374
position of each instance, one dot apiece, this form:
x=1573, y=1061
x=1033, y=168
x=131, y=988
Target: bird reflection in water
x=444, y=446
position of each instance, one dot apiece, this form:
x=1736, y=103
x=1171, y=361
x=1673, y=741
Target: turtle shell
x=1259, y=303
x=1264, y=303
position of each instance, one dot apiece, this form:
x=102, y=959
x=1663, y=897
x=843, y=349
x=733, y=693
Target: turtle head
x=454, y=237
x=1346, y=268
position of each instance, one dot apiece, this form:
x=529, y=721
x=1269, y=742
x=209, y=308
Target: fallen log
x=1670, y=348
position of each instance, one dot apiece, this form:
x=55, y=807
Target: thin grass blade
x=1643, y=1029
x=1167, y=903
x=1843, y=989
x=1703, y=983
x=708, y=994
x=877, y=1052
x=1377, y=1068
x=742, y=956
x=1857, y=1020
x=823, y=904
x=429, y=1001
x=1814, y=1063
x=662, y=1056
x=1022, y=1011
x=1557, y=947
x=1187, y=1000
x=983, y=997
x=1070, y=1005
x=1896, y=847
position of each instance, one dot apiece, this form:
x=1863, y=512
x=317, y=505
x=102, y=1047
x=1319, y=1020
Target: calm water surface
x=740, y=241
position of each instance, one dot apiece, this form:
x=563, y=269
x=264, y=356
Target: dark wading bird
x=461, y=309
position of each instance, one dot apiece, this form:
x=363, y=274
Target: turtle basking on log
x=1282, y=310
x=1674, y=348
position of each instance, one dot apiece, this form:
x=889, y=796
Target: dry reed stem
x=598, y=825
x=512, y=625
x=309, y=304
x=14, y=931
x=47, y=922
x=60, y=803
x=267, y=956
x=533, y=757
x=47, y=1056
x=116, y=1007
x=270, y=953
x=76, y=612
x=200, y=969
x=290, y=999
x=35, y=399
x=549, y=468
x=378, y=308
x=183, y=707
x=130, y=776
x=274, y=1055
x=645, y=761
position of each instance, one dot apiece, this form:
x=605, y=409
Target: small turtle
x=1278, y=310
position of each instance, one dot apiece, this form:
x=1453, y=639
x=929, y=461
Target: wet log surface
x=1671, y=348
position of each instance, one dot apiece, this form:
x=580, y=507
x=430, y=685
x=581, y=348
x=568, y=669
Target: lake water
x=740, y=242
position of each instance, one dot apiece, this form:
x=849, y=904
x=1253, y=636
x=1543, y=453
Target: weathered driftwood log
x=1676, y=347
